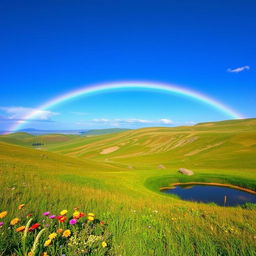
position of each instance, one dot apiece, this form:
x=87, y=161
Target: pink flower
x=73, y=221
x=46, y=213
x=1, y=224
x=52, y=216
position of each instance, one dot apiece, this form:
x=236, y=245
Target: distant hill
x=43, y=138
x=225, y=144
x=228, y=144
x=104, y=131
x=74, y=132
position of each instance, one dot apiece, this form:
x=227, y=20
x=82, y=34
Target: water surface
x=212, y=194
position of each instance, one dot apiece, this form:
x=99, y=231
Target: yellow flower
x=52, y=236
x=59, y=230
x=21, y=206
x=76, y=214
x=66, y=233
x=47, y=242
x=90, y=218
x=63, y=212
x=104, y=244
x=44, y=254
x=3, y=214
x=30, y=254
x=19, y=229
x=15, y=221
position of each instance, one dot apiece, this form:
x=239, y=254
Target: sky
x=51, y=47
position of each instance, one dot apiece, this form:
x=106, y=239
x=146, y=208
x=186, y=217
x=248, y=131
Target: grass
x=122, y=188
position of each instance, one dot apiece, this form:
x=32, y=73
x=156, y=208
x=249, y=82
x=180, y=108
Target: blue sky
x=51, y=47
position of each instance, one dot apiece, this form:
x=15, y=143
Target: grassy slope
x=142, y=221
x=223, y=145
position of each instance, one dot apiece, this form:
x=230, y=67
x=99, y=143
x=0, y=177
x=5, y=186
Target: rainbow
x=85, y=90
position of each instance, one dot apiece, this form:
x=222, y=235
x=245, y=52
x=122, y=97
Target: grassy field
x=118, y=176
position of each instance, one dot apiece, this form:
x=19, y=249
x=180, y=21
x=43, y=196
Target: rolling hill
x=118, y=176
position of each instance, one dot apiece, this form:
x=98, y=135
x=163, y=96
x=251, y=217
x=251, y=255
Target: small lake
x=212, y=194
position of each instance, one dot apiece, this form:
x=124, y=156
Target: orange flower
x=14, y=221
x=3, y=214
x=19, y=229
x=59, y=230
x=61, y=218
x=21, y=206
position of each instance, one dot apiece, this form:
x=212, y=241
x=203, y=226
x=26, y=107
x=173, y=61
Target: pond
x=220, y=195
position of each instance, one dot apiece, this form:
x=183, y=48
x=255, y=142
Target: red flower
x=81, y=215
x=102, y=222
x=35, y=226
x=29, y=215
x=61, y=218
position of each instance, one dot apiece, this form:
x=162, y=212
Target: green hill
x=104, y=131
x=227, y=144
x=118, y=177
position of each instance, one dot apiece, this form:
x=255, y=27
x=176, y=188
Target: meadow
x=116, y=179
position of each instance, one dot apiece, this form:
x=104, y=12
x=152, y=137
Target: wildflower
x=29, y=215
x=102, y=223
x=52, y=217
x=3, y=214
x=104, y=244
x=47, y=242
x=81, y=214
x=91, y=214
x=76, y=215
x=59, y=230
x=61, y=218
x=46, y=213
x=19, y=229
x=30, y=254
x=35, y=226
x=1, y=224
x=52, y=236
x=66, y=233
x=90, y=218
x=14, y=221
x=73, y=221
x=44, y=254
x=63, y=212
x=21, y=206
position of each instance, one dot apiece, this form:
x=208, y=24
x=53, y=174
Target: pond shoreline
x=173, y=185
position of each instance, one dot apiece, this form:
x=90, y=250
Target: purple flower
x=46, y=213
x=73, y=221
x=1, y=224
x=52, y=216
